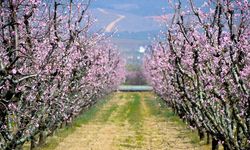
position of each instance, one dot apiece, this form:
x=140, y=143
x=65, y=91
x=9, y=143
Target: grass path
x=130, y=121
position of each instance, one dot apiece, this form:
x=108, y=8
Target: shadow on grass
x=87, y=115
x=159, y=108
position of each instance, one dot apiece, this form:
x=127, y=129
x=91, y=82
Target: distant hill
x=135, y=26
x=142, y=35
x=135, y=23
x=130, y=22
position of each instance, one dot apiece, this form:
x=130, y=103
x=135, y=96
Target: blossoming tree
x=202, y=69
x=51, y=67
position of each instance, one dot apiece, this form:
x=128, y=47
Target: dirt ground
x=128, y=121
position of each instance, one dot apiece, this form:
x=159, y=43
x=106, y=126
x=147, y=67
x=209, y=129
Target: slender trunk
x=68, y=123
x=208, y=138
x=215, y=144
x=19, y=147
x=33, y=143
x=201, y=134
x=42, y=138
x=225, y=147
x=63, y=124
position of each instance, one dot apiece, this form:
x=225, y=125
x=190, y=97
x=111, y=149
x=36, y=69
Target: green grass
x=134, y=115
x=90, y=113
x=131, y=110
x=61, y=134
x=159, y=108
x=105, y=116
x=121, y=97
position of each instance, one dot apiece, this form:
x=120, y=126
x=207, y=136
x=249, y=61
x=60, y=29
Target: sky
x=134, y=22
x=138, y=7
x=128, y=15
x=131, y=21
x=135, y=13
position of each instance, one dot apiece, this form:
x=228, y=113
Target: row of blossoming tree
x=51, y=67
x=202, y=69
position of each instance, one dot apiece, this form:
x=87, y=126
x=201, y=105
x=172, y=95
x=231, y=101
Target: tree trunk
x=225, y=147
x=201, y=134
x=208, y=138
x=42, y=138
x=19, y=147
x=215, y=144
x=63, y=124
x=33, y=143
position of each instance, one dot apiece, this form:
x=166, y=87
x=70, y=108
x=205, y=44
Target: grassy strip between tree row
x=62, y=133
x=134, y=115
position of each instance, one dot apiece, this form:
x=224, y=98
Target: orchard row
x=51, y=68
x=202, y=69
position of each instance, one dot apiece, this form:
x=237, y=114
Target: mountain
x=128, y=23
x=132, y=22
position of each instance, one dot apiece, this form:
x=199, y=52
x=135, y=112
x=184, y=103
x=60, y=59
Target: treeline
x=202, y=69
x=51, y=68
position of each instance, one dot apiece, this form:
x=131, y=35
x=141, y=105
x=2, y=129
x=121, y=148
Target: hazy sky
x=138, y=7
x=134, y=22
